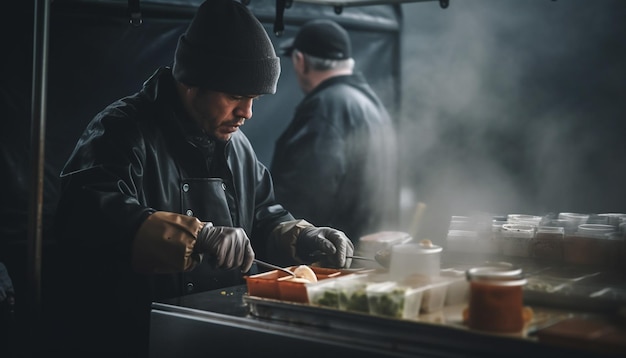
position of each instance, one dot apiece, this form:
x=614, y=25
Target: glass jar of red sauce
x=496, y=298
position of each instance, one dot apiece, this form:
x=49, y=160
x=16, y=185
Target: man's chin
x=224, y=136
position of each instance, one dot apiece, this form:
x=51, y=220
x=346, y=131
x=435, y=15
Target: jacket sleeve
x=165, y=242
x=100, y=208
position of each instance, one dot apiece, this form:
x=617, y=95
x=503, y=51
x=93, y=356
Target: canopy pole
x=38, y=126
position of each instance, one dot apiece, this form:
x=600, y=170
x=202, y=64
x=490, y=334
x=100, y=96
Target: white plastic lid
x=382, y=240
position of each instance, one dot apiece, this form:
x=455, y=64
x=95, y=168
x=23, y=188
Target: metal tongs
x=319, y=254
x=275, y=267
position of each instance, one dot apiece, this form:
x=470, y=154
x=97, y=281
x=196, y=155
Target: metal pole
x=38, y=126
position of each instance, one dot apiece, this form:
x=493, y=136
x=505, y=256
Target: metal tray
x=449, y=319
x=384, y=334
x=594, y=292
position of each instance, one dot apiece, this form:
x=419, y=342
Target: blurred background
x=513, y=107
x=503, y=107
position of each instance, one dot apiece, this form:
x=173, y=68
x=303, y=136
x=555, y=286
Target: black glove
x=229, y=246
x=333, y=245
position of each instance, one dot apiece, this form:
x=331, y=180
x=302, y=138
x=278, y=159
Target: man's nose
x=244, y=109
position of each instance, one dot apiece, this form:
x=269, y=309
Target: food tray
x=595, y=292
x=389, y=336
x=450, y=319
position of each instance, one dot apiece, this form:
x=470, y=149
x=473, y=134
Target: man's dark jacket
x=336, y=162
x=139, y=155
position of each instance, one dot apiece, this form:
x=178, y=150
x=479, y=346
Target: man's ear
x=299, y=62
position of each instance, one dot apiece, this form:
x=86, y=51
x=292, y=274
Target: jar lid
x=524, y=219
x=576, y=217
x=428, y=247
x=382, y=240
x=551, y=229
x=595, y=229
x=499, y=273
x=423, y=247
x=518, y=230
x=462, y=233
x=386, y=237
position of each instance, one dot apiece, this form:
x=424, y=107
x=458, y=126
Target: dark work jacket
x=139, y=155
x=336, y=162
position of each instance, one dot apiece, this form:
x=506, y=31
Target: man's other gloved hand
x=332, y=243
x=230, y=246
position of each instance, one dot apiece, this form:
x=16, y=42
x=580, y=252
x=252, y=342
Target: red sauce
x=495, y=307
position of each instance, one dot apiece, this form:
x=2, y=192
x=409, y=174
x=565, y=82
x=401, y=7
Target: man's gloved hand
x=333, y=244
x=230, y=246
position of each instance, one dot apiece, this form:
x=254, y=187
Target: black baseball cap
x=321, y=38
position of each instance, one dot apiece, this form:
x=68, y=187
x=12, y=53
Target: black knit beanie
x=226, y=49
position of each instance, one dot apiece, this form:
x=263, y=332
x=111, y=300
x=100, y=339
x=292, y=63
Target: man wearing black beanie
x=163, y=196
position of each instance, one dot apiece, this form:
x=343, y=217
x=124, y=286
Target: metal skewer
x=272, y=266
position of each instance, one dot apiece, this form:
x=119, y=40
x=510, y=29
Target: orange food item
x=527, y=314
x=495, y=308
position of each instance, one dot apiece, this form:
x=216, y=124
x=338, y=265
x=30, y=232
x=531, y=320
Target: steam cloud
x=513, y=107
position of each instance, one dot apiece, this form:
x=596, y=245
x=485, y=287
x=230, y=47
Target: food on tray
x=352, y=292
x=393, y=300
x=323, y=293
x=304, y=274
x=390, y=304
x=356, y=301
x=327, y=299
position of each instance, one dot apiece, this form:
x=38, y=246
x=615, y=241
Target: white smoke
x=513, y=107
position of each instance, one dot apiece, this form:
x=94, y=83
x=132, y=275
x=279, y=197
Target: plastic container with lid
x=458, y=287
x=547, y=245
x=573, y=220
x=616, y=251
x=496, y=235
x=370, y=244
x=515, y=239
x=461, y=240
x=461, y=223
x=588, y=245
x=435, y=290
x=352, y=293
x=392, y=299
x=496, y=298
x=524, y=219
x=422, y=258
x=323, y=293
x=276, y=284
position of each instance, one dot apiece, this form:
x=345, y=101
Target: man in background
x=336, y=162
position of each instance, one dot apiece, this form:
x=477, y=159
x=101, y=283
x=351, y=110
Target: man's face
x=219, y=114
